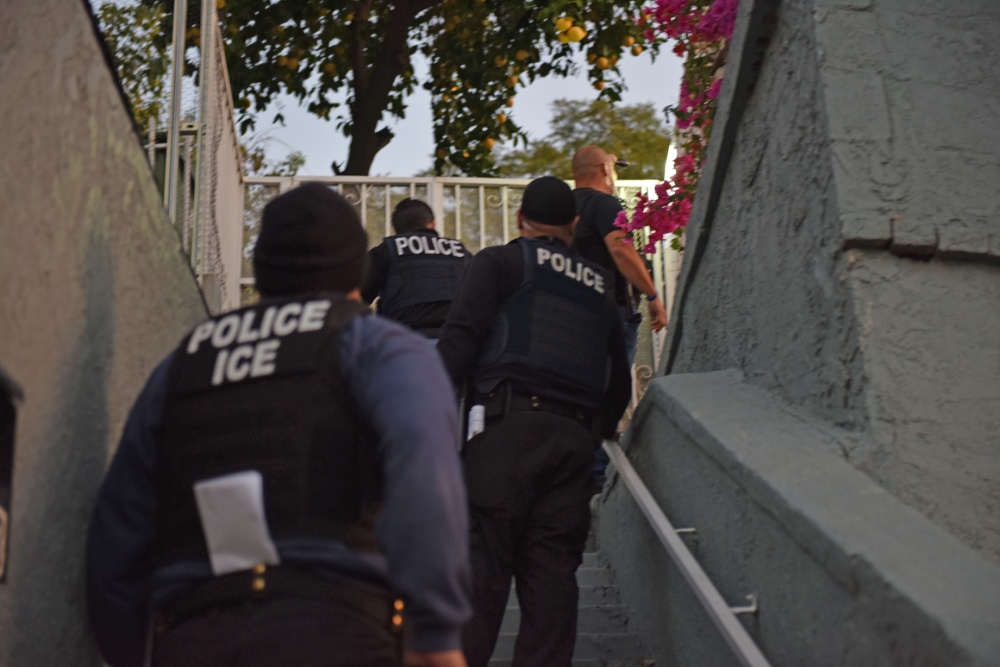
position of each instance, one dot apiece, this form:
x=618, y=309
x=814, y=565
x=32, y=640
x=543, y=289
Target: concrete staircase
x=604, y=637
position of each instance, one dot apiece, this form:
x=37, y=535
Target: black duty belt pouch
x=266, y=583
x=503, y=400
x=495, y=403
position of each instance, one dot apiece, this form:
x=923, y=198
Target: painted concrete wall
x=853, y=262
x=913, y=103
x=830, y=425
x=93, y=292
x=844, y=573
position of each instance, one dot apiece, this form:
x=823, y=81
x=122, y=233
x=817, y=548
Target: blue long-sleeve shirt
x=400, y=386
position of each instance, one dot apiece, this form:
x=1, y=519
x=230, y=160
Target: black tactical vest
x=423, y=268
x=557, y=320
x=261, y=389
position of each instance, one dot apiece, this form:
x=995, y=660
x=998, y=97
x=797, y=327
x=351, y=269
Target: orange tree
x=353, y=62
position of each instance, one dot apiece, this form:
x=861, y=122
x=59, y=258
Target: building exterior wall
x=914, y=102
x=843, y=572
x=852, y=264
x=93, y=292
x=829, y=424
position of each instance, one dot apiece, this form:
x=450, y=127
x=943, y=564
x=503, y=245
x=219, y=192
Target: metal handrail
x=724, y=616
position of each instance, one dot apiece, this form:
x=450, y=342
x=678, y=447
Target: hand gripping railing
x=719, y=611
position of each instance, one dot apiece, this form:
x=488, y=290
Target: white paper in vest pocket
x=233, y=520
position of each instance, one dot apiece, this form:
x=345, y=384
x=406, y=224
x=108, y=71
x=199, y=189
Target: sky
x=410, y=152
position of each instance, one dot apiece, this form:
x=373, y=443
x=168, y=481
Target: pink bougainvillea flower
x=700, y=27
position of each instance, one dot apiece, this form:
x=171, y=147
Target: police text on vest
x=571, y=268
x=258, y=342
x=425, y=244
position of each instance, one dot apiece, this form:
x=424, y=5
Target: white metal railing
x=722, y=615
x=478, y=211
x=218, y=238
x=204, y=190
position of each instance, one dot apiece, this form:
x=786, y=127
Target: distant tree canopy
x=134, y=34
x=135, y=39
x=353, y=62
x=635, y=132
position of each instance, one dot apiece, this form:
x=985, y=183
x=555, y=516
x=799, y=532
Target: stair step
x=605, y=646
x=593, y=576
x=590, y=596
x=589, y=576
x=602, y=638
x=629, y=662
x=605, y=618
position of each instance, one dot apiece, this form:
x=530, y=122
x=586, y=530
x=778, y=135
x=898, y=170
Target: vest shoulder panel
x=423, y=268
x=557, y=321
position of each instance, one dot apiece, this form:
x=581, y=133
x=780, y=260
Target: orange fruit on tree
x=564, y=23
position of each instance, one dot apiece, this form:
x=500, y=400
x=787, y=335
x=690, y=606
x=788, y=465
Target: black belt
x=264, y=583
x=504, y=400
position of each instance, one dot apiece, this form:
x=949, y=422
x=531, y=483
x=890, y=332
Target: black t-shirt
x=597, y=212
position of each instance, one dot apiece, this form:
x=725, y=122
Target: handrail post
x=736, y=636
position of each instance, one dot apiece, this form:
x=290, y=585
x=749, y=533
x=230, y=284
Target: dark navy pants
x=529, y=479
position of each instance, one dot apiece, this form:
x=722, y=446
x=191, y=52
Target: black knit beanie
x=548, y=201
x=311, y=240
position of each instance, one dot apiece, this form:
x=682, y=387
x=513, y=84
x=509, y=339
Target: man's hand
x=657, y=314
x=437, y=659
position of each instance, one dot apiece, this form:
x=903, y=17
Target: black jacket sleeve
x=619, y=390
x=378, y=265
x=493, y=274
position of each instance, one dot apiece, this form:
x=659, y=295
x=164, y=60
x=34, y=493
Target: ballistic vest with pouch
x=261, y=389
x=557, y=320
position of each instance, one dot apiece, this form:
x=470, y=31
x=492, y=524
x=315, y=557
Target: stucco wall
x=768, y=298
x=843, y=572
x=93, y=292
x=852, y=266
x=914, y=104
